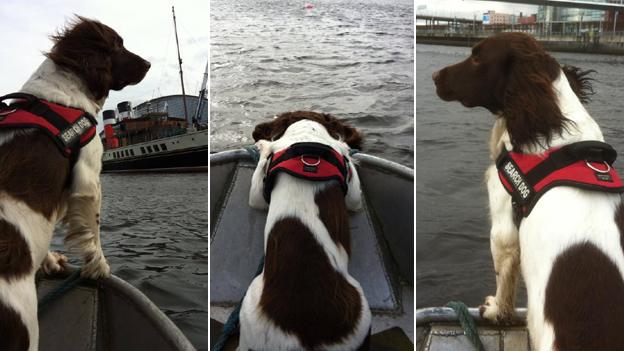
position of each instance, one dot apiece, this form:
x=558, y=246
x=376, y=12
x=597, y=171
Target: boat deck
x=382, y=237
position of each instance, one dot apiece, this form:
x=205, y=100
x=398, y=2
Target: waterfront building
x=569, y=21
x=492, y=18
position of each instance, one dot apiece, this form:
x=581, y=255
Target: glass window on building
x=163, y=147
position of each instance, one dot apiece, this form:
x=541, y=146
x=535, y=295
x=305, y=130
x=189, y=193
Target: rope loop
x=66, y=285
x=467, y=323
x=253, y=151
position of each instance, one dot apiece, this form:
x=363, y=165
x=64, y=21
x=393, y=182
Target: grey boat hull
x=107, y=314
x=382, y=258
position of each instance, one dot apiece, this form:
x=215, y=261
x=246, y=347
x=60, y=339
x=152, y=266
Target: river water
x=350, y=58
x=154, y=231
x=453, y=260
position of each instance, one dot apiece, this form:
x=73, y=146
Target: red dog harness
x=311, y=161
x=585, y=165
x=70, y=128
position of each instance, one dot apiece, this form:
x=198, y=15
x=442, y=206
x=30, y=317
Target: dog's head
x=511, y=75
x=95, y=53
x=302, y=126
x=336, y=128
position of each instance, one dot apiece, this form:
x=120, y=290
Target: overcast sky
x=468, y=8
x=145, y=25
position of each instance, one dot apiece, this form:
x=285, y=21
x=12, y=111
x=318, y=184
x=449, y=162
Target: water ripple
x=351, y=58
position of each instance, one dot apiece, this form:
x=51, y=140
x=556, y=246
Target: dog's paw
x=264, y=148
x=54, y=262
x=96, y=268
x=494, y=312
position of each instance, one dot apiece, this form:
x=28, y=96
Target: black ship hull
x=188, y=160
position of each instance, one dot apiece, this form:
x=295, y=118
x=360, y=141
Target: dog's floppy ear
x=338, y=128
x=530, y=107
x=84, y=48
x=352, y=137
x=268, y=130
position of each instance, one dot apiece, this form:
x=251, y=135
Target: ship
x=160, y=134
x=155, y=137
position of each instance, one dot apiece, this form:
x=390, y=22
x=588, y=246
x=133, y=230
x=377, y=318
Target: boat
x=382, y=257
x=439, y=329
x=160, y=134
x=155, y=141
x=105, y=314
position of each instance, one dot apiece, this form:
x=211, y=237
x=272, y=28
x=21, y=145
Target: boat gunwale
x=163, y=324
x=227, y=156
x=433, y=315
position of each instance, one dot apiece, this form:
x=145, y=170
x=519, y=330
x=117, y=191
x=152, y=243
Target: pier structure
x=574, y=25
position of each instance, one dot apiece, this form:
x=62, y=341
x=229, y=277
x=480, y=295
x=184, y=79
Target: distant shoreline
x=550, y=45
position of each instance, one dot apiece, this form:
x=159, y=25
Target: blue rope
x=233, y=320
x=66, y=285
x=467, y=323
x=253, y=151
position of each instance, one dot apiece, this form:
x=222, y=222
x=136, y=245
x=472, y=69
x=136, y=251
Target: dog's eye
x=475, y=58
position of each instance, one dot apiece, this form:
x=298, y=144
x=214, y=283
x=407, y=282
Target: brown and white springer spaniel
x=37, y=186
x=570, y=245
x=305, y=298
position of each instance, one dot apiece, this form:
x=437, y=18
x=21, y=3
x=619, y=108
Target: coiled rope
x=467, y=323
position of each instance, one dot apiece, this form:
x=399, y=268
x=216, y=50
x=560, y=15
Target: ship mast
x=189, y=123
x=202, y=94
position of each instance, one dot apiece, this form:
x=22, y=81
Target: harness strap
x=590, y=151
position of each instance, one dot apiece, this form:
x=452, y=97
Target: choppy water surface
x=452, y=244
x=350, y=58
x=154, y=235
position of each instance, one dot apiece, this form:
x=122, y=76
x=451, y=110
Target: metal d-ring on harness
x=604, y=171
x=318, y=160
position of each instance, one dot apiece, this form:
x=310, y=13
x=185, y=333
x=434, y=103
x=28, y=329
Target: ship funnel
x=109, y=119
x=125, y=110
